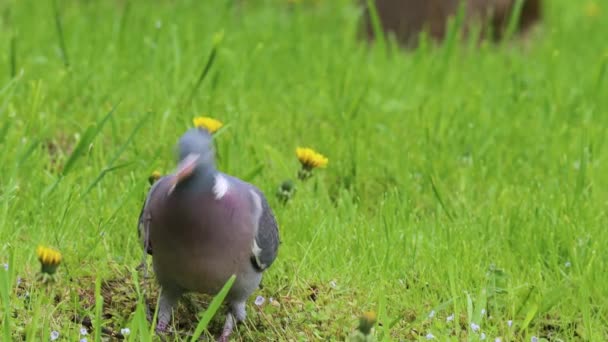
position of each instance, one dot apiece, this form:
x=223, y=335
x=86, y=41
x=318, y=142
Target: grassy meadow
x=465, y=196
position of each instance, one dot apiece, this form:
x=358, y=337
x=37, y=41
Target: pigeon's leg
x=168, y=298
x=235, y=315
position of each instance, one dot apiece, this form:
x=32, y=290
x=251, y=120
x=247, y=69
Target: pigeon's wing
x=145, y=215
x=266, y=243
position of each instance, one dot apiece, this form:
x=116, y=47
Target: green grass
x=462, y=180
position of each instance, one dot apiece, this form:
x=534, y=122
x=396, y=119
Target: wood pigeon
x=201, y=226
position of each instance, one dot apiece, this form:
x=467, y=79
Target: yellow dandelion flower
x=49, y=260
x=592, y=9
x=210, y=124
x=311, y=159
x=366, y=322
x=154, y=177
x=370, y=316
x=48, y=256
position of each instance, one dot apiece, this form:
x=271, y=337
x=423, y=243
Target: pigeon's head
x=196, y=154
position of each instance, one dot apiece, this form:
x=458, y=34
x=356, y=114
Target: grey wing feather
x=267, y=238
x=144, y=218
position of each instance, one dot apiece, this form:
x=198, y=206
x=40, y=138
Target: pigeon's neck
x=201, y=180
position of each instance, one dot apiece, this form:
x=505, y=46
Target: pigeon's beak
x=185, y=169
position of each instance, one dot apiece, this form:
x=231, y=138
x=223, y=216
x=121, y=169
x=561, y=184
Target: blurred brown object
x=406, y=19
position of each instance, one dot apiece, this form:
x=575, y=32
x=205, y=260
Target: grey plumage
x=201, y=226
x=144, y=215
x=267, y=237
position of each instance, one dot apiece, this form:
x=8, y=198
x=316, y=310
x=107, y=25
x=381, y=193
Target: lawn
x=465, y=195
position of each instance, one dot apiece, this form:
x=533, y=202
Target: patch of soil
x=58, y=148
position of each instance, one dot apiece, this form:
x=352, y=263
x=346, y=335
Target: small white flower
x=5, y=265
x=432, y=314
x=270, y=300
x=18, y=281
x=333, y=284
x=430, y=336
x=84, y=339
x=534, y=339
x=497, y=339
x=158, y=24
x=450, y=318
x=259, y=300
x=567, y=264
x=54, y=335
x=482, y=336
x=83, y=331
x=483, y=312
x=510, y=323
x=125, y=331
x=475, y=327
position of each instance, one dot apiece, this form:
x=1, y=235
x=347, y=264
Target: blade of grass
x=33, y=328
x=98, y=309
x=601, y=75
x=514, y=19
x=217, y=39
x=155, y=316
x=4, y=131
x=5, y=295
x=386, y=226
x=102, y=174
x=440, y=198
x=469, y=308
x=454, y=29
x=529, y=316
x=120, y=204
x=28, y=152
x=212, y=309
x=454, y=292
x=581, y=182
x=110, y=167
x=376, y=24
x=123, y=20
x=59, y=27
x=84, y=142
x=10, y=85
x=79, y=151
x=255, y=171
x=141, y=323
x=13, y=54
x=480, y=304
x=383, y=318
x=303, y=259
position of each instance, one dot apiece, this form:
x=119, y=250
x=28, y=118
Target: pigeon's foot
x=228, y=327
x=225, y=337
x=168, y=299
x=236, y=314
x=162, y=327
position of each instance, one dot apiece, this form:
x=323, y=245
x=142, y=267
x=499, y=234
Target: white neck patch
x=220, y=187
